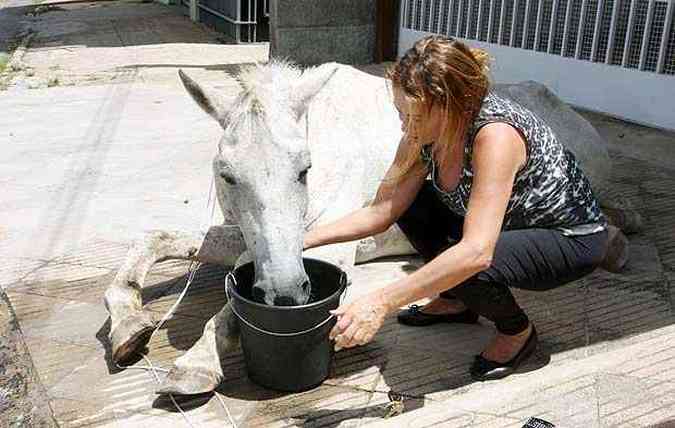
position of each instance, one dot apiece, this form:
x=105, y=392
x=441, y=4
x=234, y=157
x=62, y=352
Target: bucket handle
x=230, y=277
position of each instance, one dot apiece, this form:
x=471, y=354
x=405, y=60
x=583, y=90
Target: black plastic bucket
x=286, y=348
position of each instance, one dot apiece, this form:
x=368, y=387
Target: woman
x=506, y=206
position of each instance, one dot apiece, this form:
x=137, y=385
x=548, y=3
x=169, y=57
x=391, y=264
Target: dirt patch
x=23, y=401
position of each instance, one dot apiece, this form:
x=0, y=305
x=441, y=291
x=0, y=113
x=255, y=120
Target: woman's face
x=420, y=123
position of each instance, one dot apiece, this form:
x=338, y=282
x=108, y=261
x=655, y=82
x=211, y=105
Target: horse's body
x=349, y=135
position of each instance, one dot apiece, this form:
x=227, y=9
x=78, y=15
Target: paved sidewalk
x=122, y=149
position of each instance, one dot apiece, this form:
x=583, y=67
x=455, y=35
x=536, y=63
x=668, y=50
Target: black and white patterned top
x=550, y=191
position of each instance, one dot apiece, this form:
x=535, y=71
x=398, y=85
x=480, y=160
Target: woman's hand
x=359, y=321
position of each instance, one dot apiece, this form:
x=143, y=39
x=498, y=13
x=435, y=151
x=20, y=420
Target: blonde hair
x=443, y=72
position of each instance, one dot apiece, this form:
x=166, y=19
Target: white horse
x=281, y=168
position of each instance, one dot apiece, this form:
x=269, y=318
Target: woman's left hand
x=359, y=321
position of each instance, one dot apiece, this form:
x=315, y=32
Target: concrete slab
x=100, y=42
x=92, y=166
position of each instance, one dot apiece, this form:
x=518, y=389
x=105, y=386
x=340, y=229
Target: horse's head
x=261, y=170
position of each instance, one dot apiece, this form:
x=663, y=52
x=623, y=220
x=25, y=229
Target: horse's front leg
x=199, y=370
x=131, y=326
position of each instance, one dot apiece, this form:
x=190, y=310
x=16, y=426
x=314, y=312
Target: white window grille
x=634, y=34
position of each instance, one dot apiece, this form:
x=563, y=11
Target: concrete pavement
x=121, y=149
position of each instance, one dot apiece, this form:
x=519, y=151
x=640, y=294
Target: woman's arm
x=498, y=154
x=393, y=197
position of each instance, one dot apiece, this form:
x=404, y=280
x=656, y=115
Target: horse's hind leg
x=130, y=325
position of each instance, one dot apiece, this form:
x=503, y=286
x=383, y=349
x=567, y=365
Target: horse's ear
x=210, y=103
x=309, y=85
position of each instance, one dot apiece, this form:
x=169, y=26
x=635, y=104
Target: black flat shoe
x=415, y=317
x=483, y=369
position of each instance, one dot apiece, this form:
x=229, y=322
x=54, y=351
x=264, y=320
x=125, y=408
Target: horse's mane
x=262, y=85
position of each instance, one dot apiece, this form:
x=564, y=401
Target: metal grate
x=573, y=28
x=636, y=34
x=531, y=25
x=545, y=25
x=436, y=20
x=453, y=18
x=496, y=14
x=620, y=31
x=588, y=29
x=445, y=12
x=559, y=27
x=655, y=36
x=669, y=57
x=508, y=22
x=464, y=18
x=244, y=21
x=521, y=8
x=605, y=27
x=483, y=20
x=473, y=20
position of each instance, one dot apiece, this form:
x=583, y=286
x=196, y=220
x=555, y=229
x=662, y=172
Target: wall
x=316, y=31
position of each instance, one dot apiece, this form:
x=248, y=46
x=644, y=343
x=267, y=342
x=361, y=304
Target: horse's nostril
x=284, y=301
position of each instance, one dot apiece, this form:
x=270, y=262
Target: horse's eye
x=228, y=178
x=302, y=177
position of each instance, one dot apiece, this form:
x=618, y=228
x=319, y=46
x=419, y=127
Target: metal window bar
x=441, y=9
x=526, y=25
x=502, y=17
x=552, y=26
x=546, y=17
x=580, y=34
x=612, y=32
x=596, y=31
x=668, y=35
x=451, y=7
x=644, y=48
x=537, y=31
x=622, y=36
x=568, y=14
x=495, y=18
x=559, y=27
x=239, y=23
x=628, y=35
x=635, y=34
x=479, y=20
x=587, y=30
x=653, y=38
x=464, y=24
x=516, y=4
x=507, y=27
x=572, y=29
x=469, y=18
x=532, y=20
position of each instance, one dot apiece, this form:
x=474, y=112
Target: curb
x=24, y=402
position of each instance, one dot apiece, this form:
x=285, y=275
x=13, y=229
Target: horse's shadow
x=412, y=363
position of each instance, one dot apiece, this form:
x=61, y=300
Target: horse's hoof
x=131, y=335
x=189, y=381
